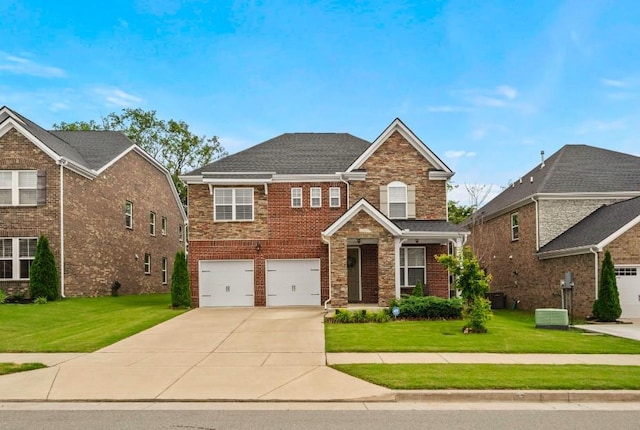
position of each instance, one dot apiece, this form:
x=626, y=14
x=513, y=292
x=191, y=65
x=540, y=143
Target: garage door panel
x=628, y=282
x=293, y=282
x=226, y=283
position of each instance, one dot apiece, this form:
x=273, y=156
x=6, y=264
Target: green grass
x=6, y=368
x=496, y=376
x=80, y=324
x=509, y=332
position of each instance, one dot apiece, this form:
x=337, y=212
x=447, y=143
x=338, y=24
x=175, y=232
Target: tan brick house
x=320, y=218
x=560, y=217
x=110, y=211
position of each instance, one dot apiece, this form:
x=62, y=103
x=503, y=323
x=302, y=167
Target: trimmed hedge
x=427, y=307
x=344, y=316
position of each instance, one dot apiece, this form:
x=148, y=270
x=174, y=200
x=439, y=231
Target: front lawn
x=509, y=332
x=6, y=368
x=80, y=324
x=496, y=376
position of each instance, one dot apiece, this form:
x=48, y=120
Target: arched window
x=397, y=197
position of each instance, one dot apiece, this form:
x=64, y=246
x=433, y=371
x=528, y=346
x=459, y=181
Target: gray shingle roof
x=429, y=225
x=573, y=169
x=294, y=153
x=596, y=227
x=97, y=148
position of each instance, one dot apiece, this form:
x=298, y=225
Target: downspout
x=326, y=302
x=595, y=253
x=347, y=183
x=62, y=162
x=537, y=225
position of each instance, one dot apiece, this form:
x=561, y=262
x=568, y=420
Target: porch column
x=387, y=287
x=338, y=267
x=397, y=244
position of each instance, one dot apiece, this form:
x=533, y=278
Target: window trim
x=15, y=188
x=128, y=214
x=234, y=205
x=16, y=259
x=398, y=184
x=152, y=223
x=406, y=267
x=163, y=225
x=331, y=198
x=294, y=198
x=165, y=266
x=147, y=264
x=318, y=197
x=515, y=227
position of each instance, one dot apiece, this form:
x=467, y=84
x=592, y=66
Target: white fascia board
x=194, y=179
x=335, y=177
x=353, y=176
x=434, y=234
x=566, y=252
x=77, y=168
x=585, y=195
x=399, y=126
x=237, y=173
x=362, y=205
x=619, y=232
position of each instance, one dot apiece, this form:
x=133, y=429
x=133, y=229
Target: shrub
x=344, y=316
x=476, y=315
x=43, y=275
x=3, y=296
x=418, y=290
x=115, y=288
x=180, y=284
x=427, y=307
x=40, y=301
x=607, y=305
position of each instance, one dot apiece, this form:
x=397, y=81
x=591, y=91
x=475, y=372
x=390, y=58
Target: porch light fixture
x=258, y=247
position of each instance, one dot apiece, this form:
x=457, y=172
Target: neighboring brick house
x=560, y=217
x=109, y=210
x=313, y=218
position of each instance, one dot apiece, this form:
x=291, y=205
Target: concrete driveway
x=204, y=354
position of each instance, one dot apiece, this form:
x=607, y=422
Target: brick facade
x=98, y=247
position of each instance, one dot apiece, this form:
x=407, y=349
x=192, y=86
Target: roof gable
x=400, y=127
x=362, y=205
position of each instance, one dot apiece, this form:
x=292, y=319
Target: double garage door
x=628, y=281
x=288, y=282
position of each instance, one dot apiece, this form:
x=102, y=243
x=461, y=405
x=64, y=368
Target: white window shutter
x=384, y=201
x=411, y=201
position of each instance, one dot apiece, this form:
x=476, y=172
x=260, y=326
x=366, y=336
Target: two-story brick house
x=313, y=218
x=560, y=217
x=110, y=211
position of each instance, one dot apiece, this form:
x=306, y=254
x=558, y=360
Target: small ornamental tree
x=43, y=275
x=473, y=284
x=607, y=305
x=180, y=284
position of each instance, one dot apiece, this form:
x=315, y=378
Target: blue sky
x=485, y=84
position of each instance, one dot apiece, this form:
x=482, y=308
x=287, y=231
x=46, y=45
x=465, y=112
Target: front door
x=353, y=275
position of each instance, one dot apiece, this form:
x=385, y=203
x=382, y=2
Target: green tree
x=43, y=275
x=457, y=212
x=607, y=305
x=180, y=284
x=170, y=142
x=473, y=284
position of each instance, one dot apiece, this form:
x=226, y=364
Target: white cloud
x=507, y=91
x=481, y=100
x=480, y=132
x=117, y=97
x=613, y=83
x=459, y=154
x=599, y=126
x=25, y=66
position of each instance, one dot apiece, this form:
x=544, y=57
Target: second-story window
x=18, y=187
x=515, y=226
x=397, y=192
x=164, y=226
x=233, y=204
x=316, y=197
x=334, y=197
x=152, y=223
x=128, y=214
x=296, y=197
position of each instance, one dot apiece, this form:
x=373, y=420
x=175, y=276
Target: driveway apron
x=204, y=354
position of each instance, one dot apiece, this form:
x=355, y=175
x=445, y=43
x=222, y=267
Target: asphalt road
x=320, y=420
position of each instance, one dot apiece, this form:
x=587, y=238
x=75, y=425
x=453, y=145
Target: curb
x=540, y=396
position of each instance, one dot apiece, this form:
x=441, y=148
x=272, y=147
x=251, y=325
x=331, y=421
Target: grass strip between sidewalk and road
x=496, y=376
x=6, y=368
x=509, y=332
x=80, y=324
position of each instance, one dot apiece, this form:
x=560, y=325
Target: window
x=164, y=226
x=626, y=271
x=412, y=266
x=316, y=197
x=164, y=270
x=147, y=264
x=16, y=256
x=397, y=200
x=233, y=204
x=128, y=214
x=18, y=187
x=152, y=223
x=180, y=232
x=334, y=197
x=515, y=231
x=296, y=197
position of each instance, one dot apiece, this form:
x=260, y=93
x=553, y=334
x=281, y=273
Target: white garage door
x=628, y=281
x=226, y=283
x=293, y=282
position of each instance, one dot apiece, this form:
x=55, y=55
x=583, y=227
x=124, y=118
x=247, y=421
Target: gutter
x=326, y=302
x=347, y=183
